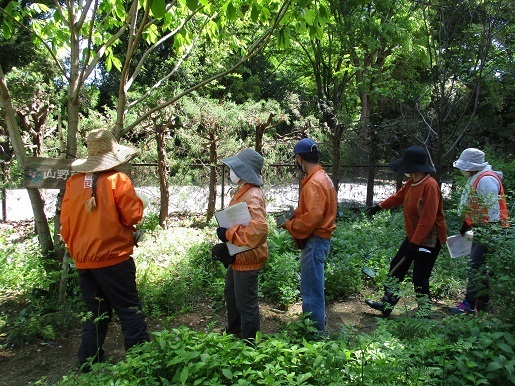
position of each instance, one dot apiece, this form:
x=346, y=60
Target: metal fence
x=190, y=194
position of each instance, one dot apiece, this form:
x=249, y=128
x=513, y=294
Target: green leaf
x=184, y=375
x=493, y=366
x=504, y=347
x=231, y=11
x=158, y=8
x=227, y=373
x=192, y=4
x=7, y=28
x=254, y=13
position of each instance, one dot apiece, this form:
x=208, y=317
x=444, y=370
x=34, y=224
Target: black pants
x=477, y=285
x=103, y=290
x=242, y=301
x=423, y=263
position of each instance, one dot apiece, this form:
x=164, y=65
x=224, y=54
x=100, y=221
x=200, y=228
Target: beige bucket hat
x=104, y=153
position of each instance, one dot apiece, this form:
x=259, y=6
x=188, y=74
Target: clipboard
x=237, y=214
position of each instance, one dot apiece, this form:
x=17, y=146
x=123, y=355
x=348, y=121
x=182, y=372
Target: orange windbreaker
x=254, y=233
x=102, y=237
x=317, y=208
x=423, y=211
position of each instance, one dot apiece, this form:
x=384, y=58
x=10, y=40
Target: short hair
x=312, y=158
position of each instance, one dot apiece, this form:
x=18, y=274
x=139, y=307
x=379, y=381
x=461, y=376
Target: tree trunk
x=335, y=175
x=38, y=205
x=213, y=159
x=372, y=145
x=162, y=163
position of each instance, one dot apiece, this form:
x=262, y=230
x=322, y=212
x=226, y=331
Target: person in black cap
x=425, y=226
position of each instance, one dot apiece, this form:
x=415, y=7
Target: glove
x=370, y=211
x=412, y=250
x=220, y=232
x=137, y=236
x=464, y=228
x=220, y=252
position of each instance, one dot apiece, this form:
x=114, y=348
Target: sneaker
x=463, y=308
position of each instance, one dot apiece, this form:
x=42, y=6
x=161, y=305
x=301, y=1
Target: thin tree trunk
x=213, y=159
x=162, y=163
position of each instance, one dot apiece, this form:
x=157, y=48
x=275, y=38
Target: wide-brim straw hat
x=247, y=165
x=104, y=153
x=414, y=160
x=471, y=160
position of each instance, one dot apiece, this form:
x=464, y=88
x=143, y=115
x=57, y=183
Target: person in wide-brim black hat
x=425, y=226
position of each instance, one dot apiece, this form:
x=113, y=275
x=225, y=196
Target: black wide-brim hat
x=413, y=161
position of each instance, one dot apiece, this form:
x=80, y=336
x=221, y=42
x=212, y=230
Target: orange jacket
x=479, y=210
x=254, y=233
x=423, y=211
x=103, y=236
x=317, y=208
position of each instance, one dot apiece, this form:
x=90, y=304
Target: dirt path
x=53, y=359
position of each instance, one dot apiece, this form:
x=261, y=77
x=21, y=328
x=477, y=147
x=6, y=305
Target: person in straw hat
x=99, y=210
x=483, y=203
x=241, y=278
x=426, y=230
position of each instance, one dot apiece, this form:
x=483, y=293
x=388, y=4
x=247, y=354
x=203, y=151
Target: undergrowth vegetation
x=175, y=272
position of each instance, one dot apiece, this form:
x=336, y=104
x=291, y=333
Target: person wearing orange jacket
x=426, y=230
x=483, y=203
x=311, y=227
x=243, y=269
x=98, y=212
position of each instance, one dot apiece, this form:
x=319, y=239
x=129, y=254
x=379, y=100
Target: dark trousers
x=477, y=285
x=103, y=290
x=242, y=302
x=423, y=263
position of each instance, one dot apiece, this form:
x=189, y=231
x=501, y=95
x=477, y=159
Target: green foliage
x=454, y=351
x=177, y=271
x=279, y=280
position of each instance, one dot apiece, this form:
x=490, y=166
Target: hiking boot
x=385, y=307
x=463, y=308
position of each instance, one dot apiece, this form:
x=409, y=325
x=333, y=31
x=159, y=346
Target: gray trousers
x=242, y=302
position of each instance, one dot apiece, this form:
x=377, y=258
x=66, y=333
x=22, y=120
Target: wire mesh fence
x=189, y=194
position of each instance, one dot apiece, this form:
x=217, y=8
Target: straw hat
x=104, y=153
x=471, y=160
x=414, y=160
x=247, y=165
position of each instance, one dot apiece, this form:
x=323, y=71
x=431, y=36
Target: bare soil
x=51, y=360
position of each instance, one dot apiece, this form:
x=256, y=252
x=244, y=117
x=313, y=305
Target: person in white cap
x=241, y=278
x=99, y=209
x=482, y=203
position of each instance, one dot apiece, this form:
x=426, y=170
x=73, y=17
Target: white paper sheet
x=460, y=245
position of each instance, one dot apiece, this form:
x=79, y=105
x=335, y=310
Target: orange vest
x=480, y=210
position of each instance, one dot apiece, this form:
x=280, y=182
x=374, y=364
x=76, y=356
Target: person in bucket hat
x=483, y=203
x=241, y=277
x=425, y=227
x=311, y=227
x=98, y=212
